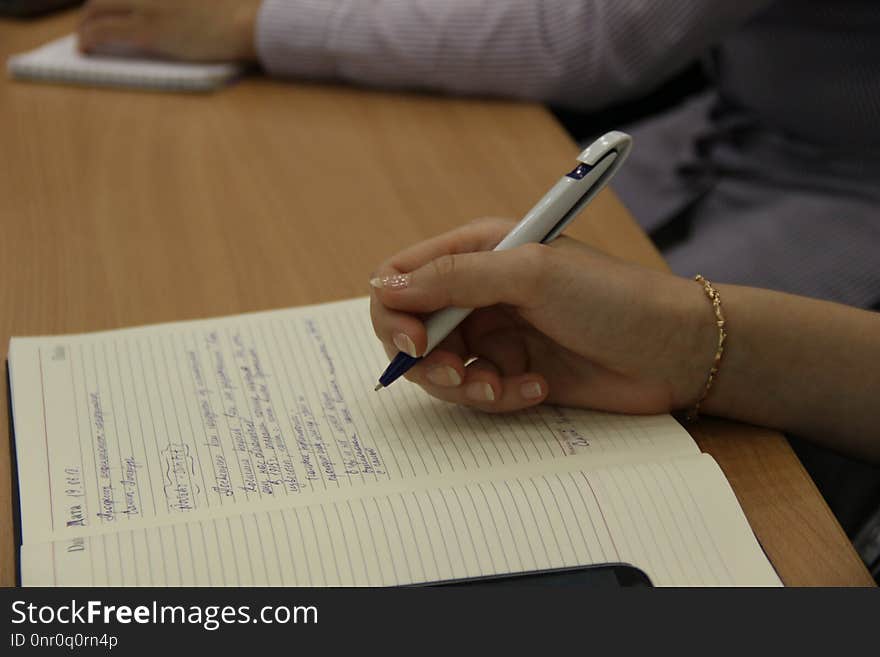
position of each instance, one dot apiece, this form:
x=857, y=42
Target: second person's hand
x=193, y=30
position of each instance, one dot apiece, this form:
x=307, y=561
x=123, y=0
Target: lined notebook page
x=61, y=61
x=151, y=423
x=678, y=520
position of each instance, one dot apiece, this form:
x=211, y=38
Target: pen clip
x=596, y=168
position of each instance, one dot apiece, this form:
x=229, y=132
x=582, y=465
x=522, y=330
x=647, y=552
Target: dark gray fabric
x=759, y=208
x=808, y=68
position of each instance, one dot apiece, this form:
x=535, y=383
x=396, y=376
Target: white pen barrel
x=547, y=213
x=442, y=323
x=563, y=201
x=537, y=223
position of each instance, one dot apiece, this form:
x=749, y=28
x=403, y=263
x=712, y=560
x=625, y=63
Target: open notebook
x=61, y=61
x=252, y=450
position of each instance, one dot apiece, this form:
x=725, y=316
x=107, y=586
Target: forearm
x=808, y=367
x=575, y=53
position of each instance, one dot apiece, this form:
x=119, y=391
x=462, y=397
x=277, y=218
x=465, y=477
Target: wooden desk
x=123, y=208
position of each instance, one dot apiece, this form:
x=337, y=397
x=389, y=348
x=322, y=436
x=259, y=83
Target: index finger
x=481, y=235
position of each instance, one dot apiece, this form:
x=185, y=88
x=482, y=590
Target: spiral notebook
x=253, y=450
x=60, y=61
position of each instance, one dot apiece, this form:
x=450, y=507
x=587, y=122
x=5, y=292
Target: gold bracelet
x=715, y=298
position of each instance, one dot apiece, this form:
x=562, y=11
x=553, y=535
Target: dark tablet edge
x=13, y=471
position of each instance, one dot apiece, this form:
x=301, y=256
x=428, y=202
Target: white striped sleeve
x=574, y=53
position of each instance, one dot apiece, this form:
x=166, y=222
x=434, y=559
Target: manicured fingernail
x=393, y=282
x=443, y=375
x=403, y=342
x=479, y=391
x=531, y=390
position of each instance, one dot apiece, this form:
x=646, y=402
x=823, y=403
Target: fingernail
x=478, y=391
x=531, y=390
x=403, y=342
x=393, y=282
x=443, y=375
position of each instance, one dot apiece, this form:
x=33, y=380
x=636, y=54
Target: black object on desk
x=605, y=576
x=24, y=8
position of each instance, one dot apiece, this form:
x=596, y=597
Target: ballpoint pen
x=543, y=223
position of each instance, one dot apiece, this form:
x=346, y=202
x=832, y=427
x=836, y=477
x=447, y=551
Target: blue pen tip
x=399, y=366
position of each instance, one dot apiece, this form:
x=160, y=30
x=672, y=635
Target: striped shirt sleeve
x=580, y=54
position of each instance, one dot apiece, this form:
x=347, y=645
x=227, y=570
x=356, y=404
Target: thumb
x=468, y=280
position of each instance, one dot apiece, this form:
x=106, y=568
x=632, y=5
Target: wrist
x=245, y=22
x=697, y=345
x=714, y=298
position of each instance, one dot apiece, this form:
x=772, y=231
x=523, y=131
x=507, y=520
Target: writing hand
x=562, y=323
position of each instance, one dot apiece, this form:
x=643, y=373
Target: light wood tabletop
x=122, y=208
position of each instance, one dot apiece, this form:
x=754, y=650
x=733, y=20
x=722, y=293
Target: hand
x=565, y=324
x=194, y=30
